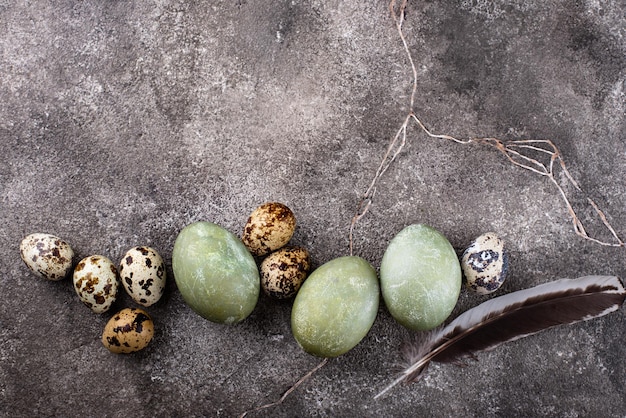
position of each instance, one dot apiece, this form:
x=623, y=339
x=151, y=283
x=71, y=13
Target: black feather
x=513, y=316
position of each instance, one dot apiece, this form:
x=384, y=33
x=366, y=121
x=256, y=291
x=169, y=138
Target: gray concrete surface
x=122, y=122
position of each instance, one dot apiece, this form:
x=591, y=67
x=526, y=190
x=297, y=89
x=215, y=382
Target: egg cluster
x=95, y=280
x=269, y=229
x=220, y=276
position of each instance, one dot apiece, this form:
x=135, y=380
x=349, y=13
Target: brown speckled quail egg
x=95, y=282
x=269, y=227
x=485, y=264
x=129, y=330
x=47, y=256
x=143, y=275
x=283, y=271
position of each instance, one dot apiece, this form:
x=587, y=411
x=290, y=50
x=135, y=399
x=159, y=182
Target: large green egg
x=420, y=277
x=215, y=273
x=335, y=307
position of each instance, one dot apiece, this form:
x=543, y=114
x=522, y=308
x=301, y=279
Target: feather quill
x=514, y=316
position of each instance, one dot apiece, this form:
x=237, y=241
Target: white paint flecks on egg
x=48, y=256
x=143, y=275
x=95, y=282
x=485, y=264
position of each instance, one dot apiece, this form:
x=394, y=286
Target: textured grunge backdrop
x=123, y=121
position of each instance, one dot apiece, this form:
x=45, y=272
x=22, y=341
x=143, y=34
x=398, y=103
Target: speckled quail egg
x=485, y=264
x=269, y=227
x=143, y=275
x=95, y=282
x=47, y=256
x=129, y=330
x=283, y=271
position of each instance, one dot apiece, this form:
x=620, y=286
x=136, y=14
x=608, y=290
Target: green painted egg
x=420, y=277
x=335, y=307
x=215, y=273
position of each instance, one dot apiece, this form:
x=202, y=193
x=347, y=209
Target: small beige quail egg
x=143, y=275
x=485, y=264
x=129, y=330
x=47, y=256
x=283, y=271
x=95, y=282
x=269, y=227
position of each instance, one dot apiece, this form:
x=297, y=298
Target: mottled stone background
x=123, y=121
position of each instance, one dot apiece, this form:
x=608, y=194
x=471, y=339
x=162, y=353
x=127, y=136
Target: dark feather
x=513, y=316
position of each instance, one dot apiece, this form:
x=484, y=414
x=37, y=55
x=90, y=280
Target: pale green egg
x=215, y=273
x=335, y=307
x=420, y=277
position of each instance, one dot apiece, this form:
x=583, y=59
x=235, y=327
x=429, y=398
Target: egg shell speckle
x=46, y=255
x=485, y=264
x=128, y=331
x=283, y=271
x=95, y=282
x=269, y=227
x=143, y=275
